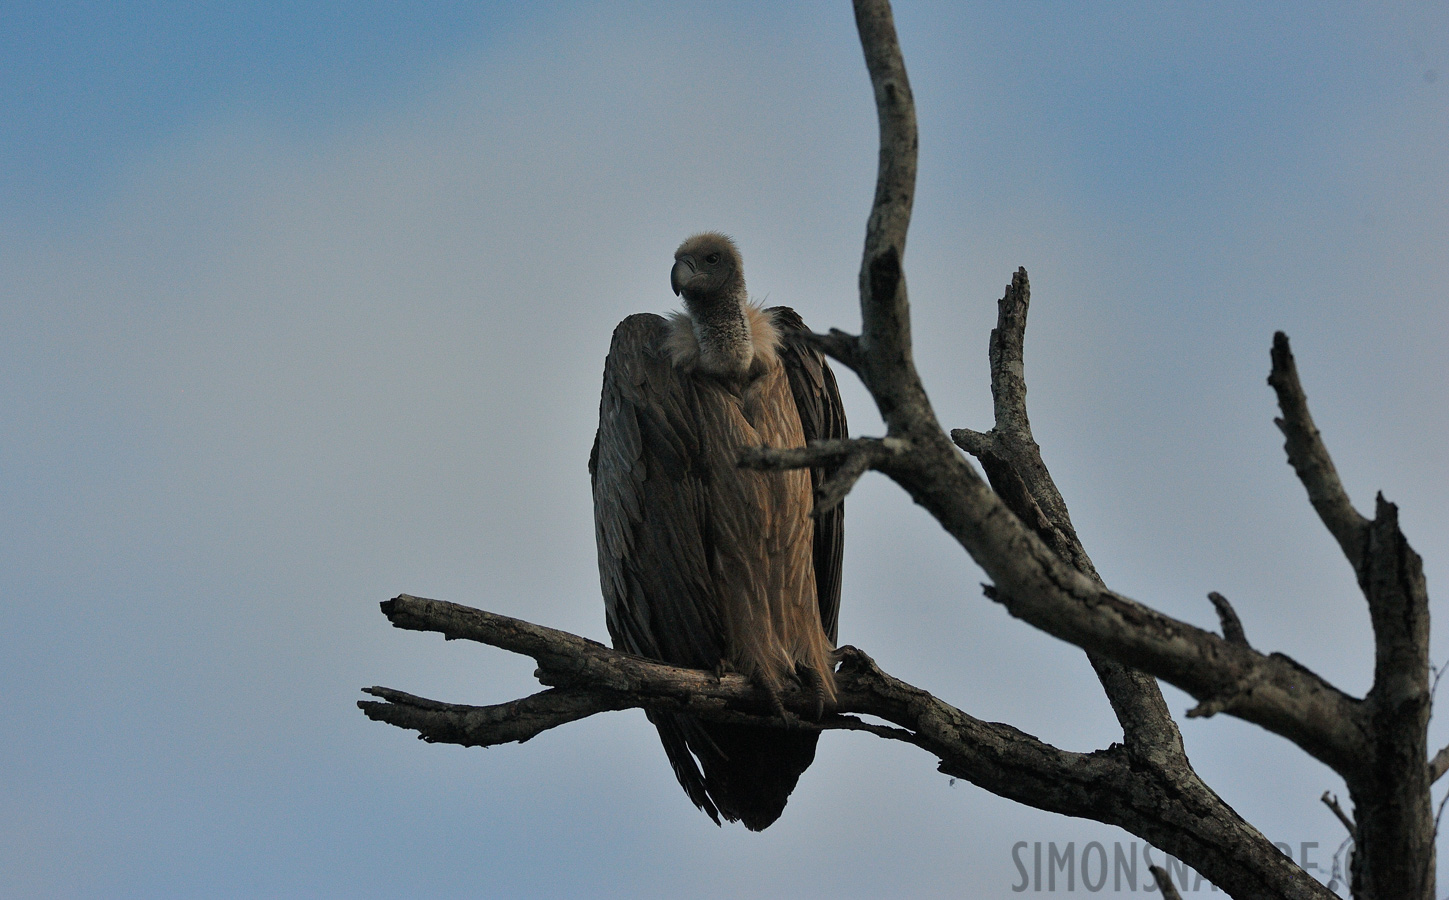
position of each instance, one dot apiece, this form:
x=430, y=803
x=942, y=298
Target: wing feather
x=822, y=416
x=652, y=532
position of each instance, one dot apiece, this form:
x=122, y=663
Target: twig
x=851, y=459
x=1336, y=874
x=974, y=443
x=821, y=453
x=831, y=492
x=1439, y=764
x=1230, y=697
x=1164, y=883
x=1439, y=814
x=840, y=346
x=1427, y=876
x=1331, y=801
x=1232, y=626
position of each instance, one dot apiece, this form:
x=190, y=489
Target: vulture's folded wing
x=652, y=534
x=822, y=416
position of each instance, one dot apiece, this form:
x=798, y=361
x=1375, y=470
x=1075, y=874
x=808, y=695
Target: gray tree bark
x=1016, y=526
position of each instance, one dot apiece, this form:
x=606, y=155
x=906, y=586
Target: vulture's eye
x=712, y=258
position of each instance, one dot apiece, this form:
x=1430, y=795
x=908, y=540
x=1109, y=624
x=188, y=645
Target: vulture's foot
x=772, y=697
x=815, y=682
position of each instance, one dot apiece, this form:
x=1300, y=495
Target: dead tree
x=1015, y=525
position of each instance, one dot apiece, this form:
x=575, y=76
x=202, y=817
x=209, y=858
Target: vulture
x=705, y=564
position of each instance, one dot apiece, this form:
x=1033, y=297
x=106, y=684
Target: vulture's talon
x=772, y=697
x=815, y=682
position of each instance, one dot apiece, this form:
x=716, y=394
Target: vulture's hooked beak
x=683, y=270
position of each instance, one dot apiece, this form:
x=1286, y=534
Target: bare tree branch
x=1392, y=803
x=885, y=340
x=831, y=492
x=1038, y=573
x=838, y=345
x=1016, y=471
x=821, y=453
x=1108, y=785
x=1050, y=583
x=850, y=458
x=1393, y=808
x=1008, y=453
x=487, y=726
x=1310, y=458
x=1014, y=466
x=1033, y=581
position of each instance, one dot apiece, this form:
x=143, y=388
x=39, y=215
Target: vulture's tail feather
x=745, y=772
x=672, y=731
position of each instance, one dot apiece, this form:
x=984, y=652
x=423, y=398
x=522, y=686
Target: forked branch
x=1393, y=814
x=589, y=678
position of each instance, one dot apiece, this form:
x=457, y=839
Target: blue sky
x=301, y=309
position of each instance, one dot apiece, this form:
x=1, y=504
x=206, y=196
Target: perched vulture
x=705, y=564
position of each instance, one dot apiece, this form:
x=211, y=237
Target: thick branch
x=556, y=652
x=1272, y=691
x=1008, y=452
x=895, y=187
x=1389, y=788
x=1107, y=785
x=885, y=341
x=1392, y=805
x=1032, y=577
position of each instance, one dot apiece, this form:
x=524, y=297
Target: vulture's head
x=707, y=270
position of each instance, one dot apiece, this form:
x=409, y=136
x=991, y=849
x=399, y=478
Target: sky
x=303, y=306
